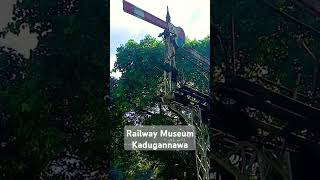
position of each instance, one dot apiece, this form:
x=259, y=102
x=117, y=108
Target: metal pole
x=233, y=47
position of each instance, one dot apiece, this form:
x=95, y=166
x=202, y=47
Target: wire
x=193, y=52
x=291, y=17
x=200, y=67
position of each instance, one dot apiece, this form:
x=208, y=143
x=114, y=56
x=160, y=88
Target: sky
x=23, y=42
x=192, y=15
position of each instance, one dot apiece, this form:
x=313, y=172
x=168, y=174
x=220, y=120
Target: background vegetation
x=134, y=102
x=54, y=114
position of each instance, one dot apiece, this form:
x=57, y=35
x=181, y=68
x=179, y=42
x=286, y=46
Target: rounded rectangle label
x=160, y=138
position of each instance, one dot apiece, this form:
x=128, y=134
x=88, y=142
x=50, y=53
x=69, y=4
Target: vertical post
x=288, y=164
x=233, y=47
x=196, y=151
x=202, y=143
x=295, y=91
x=165, y=82
x=173, y=60
x=169, y=58
x=315, y=79
x=299, y=69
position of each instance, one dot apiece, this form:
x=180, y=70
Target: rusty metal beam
x=277, y=99
x=313, y=6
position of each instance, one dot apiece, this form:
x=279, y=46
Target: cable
x=195, y=63
x=195, y=53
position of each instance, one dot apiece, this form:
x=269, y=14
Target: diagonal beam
x=312, y=6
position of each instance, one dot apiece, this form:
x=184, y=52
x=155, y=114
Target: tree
x=267, y=34
x=134, y=101
x=59, y=111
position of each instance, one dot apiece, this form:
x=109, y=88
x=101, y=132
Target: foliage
x=264, y=37
x=59, y=109
x=142, y=67
x=135, y=94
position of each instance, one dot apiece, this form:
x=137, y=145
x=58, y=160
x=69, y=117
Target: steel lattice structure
x=251, y=148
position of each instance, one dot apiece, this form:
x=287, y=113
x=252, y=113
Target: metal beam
x=144, y=15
